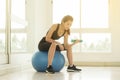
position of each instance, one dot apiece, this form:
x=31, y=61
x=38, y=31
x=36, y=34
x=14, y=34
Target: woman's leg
x=69, y=55
x=51, y=53
x=71, y=66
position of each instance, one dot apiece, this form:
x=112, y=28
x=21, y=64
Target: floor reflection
x=48, y=76
x=96, y=74
x=72, y=75
x=87, y=73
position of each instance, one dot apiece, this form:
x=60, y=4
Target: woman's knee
x=53, y=44
x=69, y=47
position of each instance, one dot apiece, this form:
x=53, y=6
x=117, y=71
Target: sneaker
x=73, y=69
x=50, y=70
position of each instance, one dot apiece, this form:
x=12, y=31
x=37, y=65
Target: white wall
x=42, y=18
x=115, y=27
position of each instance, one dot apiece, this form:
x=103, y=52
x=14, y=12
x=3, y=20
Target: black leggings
x=44, y=45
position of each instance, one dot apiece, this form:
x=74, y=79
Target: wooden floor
x=87, y=73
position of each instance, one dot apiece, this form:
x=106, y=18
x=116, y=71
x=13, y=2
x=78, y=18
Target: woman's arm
x=66, y=40
x=50, y=32
x=75, y=42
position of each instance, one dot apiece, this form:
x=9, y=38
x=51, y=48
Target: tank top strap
x=55, y=30
x=57, y=27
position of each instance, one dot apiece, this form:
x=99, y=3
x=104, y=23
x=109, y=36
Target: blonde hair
x=67, y=18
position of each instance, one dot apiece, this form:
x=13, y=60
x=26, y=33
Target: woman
x=49, y=44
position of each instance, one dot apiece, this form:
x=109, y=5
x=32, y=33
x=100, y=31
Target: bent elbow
x=46, y=39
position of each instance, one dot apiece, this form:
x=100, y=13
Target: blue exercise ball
x=40, y=61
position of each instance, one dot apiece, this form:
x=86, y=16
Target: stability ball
x=40, y=61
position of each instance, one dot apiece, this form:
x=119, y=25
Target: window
x=2, y=24
x=94, y=14
x=96, y=42
x=18, y=26
x=3, y=54
x=2, y=42
x=18, y=41
x=18, y=14
x=13, y=34
x=65, y=7
x=90, y=23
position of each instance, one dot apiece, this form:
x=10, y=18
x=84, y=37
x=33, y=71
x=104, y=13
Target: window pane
x=2, y=13
x=18, y=42
x=2, y=24
x=66, y=7
x=96, y=42
x=94, y=14
x=18, y=14
x=2, y=42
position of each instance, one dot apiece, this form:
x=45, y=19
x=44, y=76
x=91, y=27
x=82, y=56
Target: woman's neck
x=61, y=30
x=62, y=27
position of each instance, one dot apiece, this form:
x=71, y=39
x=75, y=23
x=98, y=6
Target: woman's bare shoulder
x=54, y=26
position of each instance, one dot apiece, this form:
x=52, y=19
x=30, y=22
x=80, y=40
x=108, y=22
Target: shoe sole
x=69, y=70
x=49, y=72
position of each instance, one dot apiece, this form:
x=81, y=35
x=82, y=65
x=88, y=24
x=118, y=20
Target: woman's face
x=67, y=24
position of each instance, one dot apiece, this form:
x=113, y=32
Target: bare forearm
x=65, y=45
x=51, y=41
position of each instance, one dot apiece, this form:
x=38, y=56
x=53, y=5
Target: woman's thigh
x=45, y=46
